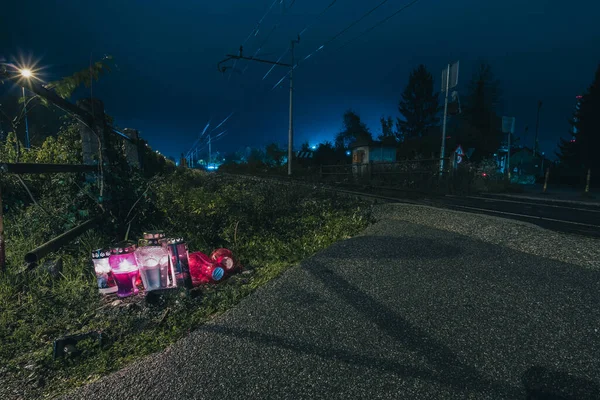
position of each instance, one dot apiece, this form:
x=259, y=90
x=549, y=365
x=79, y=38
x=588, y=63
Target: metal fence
x=411, y=175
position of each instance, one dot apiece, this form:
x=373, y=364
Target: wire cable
x=334, y=37
x=383, y=21
x=353, y=39
x=310, y=25
x=266, y=39
x=254, y=32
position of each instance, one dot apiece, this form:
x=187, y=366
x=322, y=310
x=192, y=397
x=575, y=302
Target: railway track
x=568, y=217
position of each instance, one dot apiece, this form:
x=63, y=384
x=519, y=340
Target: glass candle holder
x=104, y=276
x=153, y=261
x=179, y=262
x=124, y=267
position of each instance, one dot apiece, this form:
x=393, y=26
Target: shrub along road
x=403, y=311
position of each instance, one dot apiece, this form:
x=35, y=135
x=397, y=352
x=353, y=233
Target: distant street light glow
x=26, y=73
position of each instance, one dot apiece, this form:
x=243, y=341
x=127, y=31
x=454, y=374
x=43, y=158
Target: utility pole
x=537, y=127
x=449, y=81
x=209, y=150
x=291, y=125
x=27, y=144
x=222, y=69
x=443, y=149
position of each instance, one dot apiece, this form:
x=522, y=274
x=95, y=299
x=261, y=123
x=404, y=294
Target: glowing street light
x=27, y=74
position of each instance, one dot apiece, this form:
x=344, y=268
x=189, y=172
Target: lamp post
x=26, y=73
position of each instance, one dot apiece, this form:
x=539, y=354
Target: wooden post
x=546, y=179
x=587, y=181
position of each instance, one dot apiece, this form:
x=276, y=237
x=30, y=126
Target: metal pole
x=209, y=150
x=291, y=121
x=508, y=157
x=27, y=145
x=537, y=126
x=443, y=149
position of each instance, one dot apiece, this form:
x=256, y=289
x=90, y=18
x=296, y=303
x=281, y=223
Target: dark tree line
x=580, y=151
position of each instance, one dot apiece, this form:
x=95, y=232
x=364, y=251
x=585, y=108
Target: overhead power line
x=353, y=39
x=254, y=32
x=257, y=27
x=310, y=25
x=317, y=18
x=334, y=37
x=383, y=21
x=266, y=39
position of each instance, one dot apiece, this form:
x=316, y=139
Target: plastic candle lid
x=100, y=253
x=123, y=248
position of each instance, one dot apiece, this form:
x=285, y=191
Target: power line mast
x=222, y=69
x=209, y=150
x=449, y=81
x=291, y=125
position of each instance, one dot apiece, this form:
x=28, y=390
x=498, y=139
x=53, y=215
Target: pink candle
x=124, y=267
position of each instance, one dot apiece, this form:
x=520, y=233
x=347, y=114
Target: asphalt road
x=401, y=312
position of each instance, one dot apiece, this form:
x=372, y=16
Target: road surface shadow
x=544, y=384
x=405, y=247
x=449, y=369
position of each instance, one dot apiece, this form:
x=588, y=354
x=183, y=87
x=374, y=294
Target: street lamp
x=26, y=73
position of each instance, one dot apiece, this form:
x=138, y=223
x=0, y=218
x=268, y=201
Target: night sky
x=166, y=83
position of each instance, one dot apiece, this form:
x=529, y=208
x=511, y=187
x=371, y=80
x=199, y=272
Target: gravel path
x=404, y=311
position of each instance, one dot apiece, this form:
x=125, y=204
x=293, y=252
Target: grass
x=269, y=227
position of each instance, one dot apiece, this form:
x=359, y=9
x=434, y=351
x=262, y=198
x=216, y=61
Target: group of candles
x=161, y=263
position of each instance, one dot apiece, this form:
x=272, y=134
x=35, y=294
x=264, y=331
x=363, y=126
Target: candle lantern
x=179, y=262
x=153, y=261
x=204, y=270
x=104, y=276
x=124, y=268
x=224, y=258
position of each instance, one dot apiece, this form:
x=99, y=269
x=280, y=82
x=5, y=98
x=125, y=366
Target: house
x=365, y=152
x=368, y=152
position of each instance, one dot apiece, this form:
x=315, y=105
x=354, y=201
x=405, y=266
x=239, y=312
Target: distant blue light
x=314, y=147
x=348, y=152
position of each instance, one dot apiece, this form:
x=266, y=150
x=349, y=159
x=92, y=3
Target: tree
x=327, y=154
x=583, y=151
x=256, y=157
x=480, y=124
x=274, y=154
x=387, y=128
x=354, y=130
x=305, y=146
x=419, y=105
